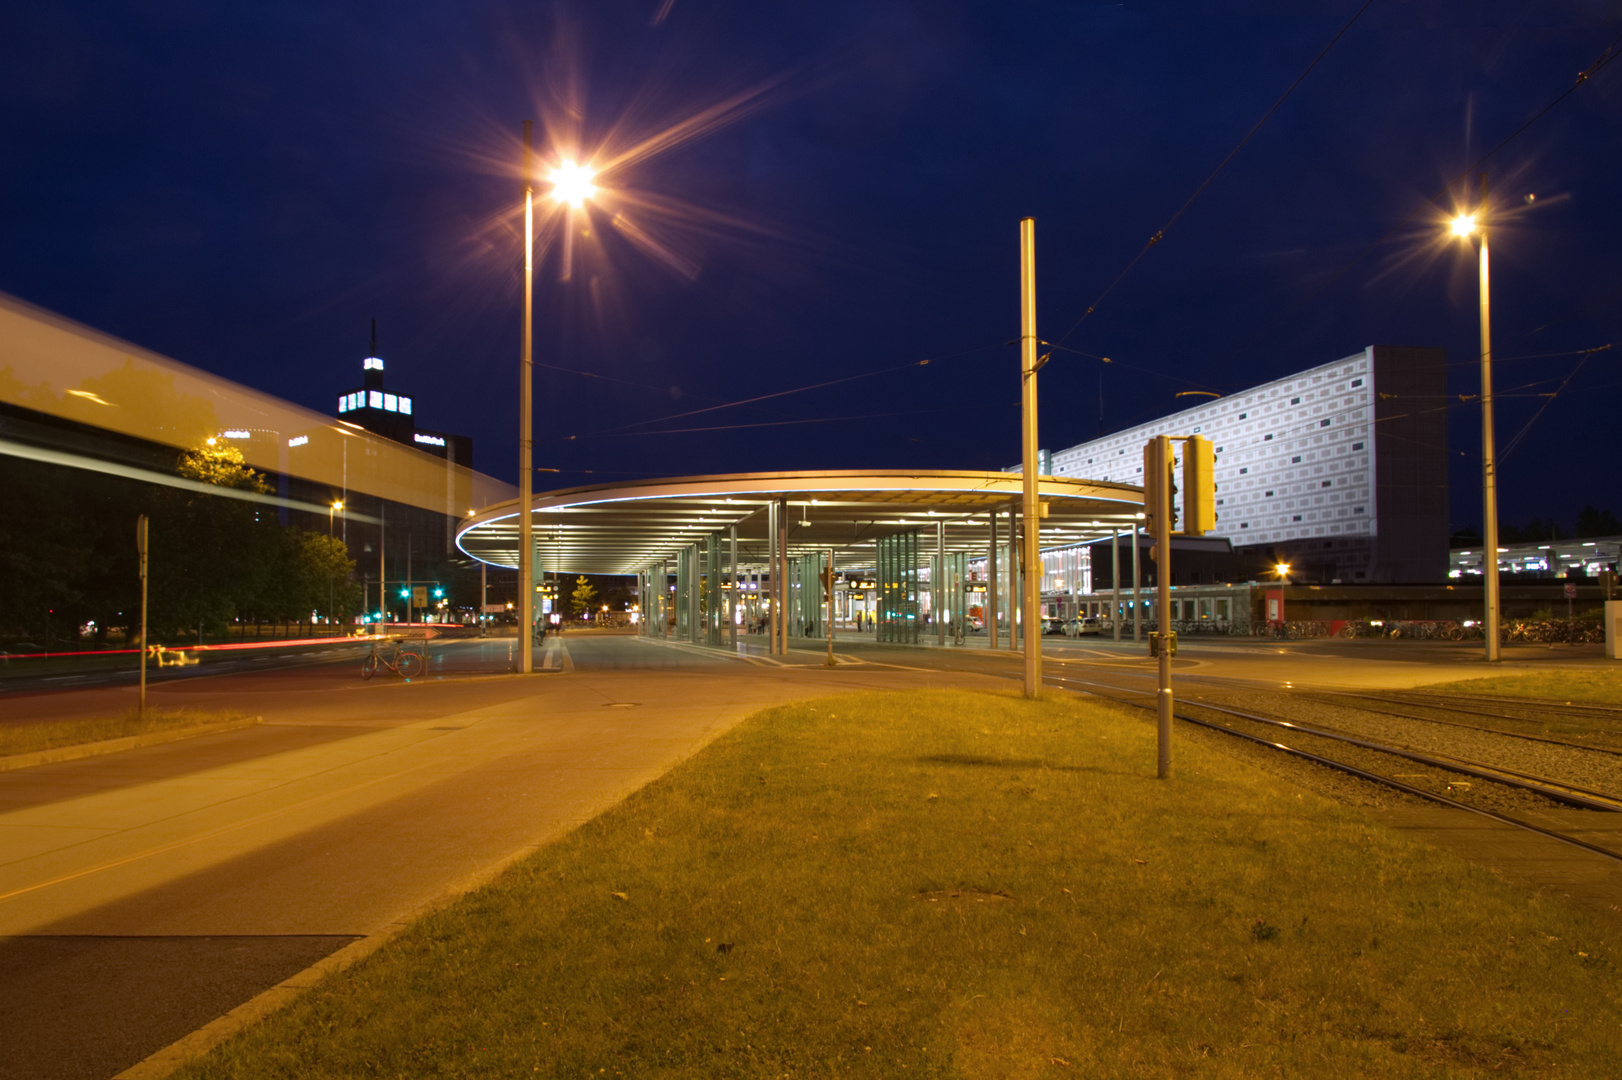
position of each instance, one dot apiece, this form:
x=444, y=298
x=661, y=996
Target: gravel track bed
x=1596, y=771
x=1549, y=721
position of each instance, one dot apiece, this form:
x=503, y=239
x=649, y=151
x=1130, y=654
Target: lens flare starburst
x=571, y=183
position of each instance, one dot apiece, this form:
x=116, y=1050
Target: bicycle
x=407, y=665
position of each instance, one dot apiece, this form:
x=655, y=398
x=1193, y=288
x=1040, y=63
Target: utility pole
x=526, y=474
x=1028, y=368
x=140, y=548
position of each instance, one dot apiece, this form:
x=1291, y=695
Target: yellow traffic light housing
x=1199, y=486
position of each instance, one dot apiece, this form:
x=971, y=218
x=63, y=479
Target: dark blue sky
x=244, y=186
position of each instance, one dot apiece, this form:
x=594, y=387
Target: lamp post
x=1466, y=225
x=334, y=508
x=526, y=528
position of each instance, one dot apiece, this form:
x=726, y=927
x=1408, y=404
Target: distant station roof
x=623, y=528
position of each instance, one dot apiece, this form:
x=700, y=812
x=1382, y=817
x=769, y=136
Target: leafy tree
x=582, y=596
x=1592, y=522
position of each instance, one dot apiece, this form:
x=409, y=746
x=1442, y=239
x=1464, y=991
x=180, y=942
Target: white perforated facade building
x=1340, y=469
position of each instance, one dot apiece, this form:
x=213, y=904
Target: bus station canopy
x=626, y=528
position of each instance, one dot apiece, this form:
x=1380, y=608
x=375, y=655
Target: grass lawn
x=957, y=884
x=1574, y=685
x=50, y=734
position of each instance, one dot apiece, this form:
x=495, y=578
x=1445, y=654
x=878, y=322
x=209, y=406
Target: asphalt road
x=145, y=893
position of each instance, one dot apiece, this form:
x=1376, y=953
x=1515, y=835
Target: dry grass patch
x=49, y=734
x=954, y=884
x=1603, y=685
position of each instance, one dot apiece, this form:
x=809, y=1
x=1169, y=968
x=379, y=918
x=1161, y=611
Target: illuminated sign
x=974, y=586
x=298, y=440
x=405, y=406
x=237, y=434
x=374, y=399
x=390, y=402
x=431, y=440
x=343, y=403
x=371, y=363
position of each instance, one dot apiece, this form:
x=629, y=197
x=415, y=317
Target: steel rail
x=1363, y=774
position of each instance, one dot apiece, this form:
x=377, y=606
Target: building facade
x=1339, y=470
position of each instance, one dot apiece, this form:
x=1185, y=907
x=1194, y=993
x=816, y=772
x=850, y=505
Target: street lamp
x=336, y=506
x=1283, y=571
x=1465, y=226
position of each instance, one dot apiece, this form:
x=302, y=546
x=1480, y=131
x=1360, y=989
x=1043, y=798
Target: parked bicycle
x=406, y=664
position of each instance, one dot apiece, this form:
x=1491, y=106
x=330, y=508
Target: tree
x=582, y=596
x=212, y=557
x=1592, y=522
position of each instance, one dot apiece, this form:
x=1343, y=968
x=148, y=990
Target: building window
x=1295, y=401
x=1357, y=510
x=405, y=406
x=343, y=404
x=1244, y=416
x=1324, y=422
x=1295, y=518
x=390, y=403
x=1357, y=446
x=1244, y=524
x=1296, y=460
x=1357, y=382
x=1269, y=494
x=1326, y=483
x=1244, y=470
x=374, y=399
x=1267, y=438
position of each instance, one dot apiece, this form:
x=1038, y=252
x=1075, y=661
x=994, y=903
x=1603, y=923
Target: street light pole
x=1033, y=542
x=1465, y=225
x=1489, y=467
x=526, y=529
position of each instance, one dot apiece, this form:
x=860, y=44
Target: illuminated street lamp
x=1465, y=226
x=1283, y=571
x=335, y=507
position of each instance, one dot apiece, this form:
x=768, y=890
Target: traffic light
x=827, y=577
x=1199, y=486
x=1159, y=467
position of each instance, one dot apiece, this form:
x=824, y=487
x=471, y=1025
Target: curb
x=113, y=746
x=163, y=1063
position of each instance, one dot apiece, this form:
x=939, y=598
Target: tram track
x=1461, y=794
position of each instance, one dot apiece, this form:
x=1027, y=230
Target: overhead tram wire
x=1161, y=233
x=805, y=420
x=925, y=362
x=1605, y=58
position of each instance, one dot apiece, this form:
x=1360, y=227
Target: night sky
x=243, y=187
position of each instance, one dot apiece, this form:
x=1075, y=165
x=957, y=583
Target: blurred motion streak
x=54, y=366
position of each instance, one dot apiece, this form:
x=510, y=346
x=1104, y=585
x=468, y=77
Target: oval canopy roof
x=624, y=528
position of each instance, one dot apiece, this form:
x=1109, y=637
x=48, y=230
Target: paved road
x=142, y=894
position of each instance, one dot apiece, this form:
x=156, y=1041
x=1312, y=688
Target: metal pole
x=1137, y=587
x=1489, y=468
x=382, y=565
x=1033, y=518
x=1115, y=583
x=484, y=595
x=140, y=547
x=937, y=584
x=737, y=593
x=829, y=600
x=526, y=474
x=992, y=583
x=1162, y=512
x=782, y=559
